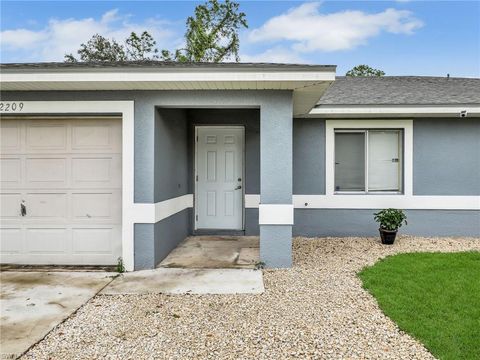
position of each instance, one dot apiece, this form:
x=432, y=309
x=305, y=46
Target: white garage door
x=67, y=175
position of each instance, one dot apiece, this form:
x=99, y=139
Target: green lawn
x=435, y=297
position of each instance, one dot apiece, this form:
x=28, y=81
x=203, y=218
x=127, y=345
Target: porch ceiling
x=308, y=82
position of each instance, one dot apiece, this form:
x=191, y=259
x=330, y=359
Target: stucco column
x=144, y=250
x=276, y=208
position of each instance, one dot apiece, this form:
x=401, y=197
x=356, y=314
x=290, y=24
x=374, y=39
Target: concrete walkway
x=187, y=281
x=33, y=303
x=215, y=252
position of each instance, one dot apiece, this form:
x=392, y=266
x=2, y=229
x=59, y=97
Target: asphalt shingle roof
x=159, y=64
x=402, y=90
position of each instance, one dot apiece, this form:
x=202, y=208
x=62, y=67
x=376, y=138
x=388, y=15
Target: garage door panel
x=42, y=136
x=92, y=241
x=90, y=206
x=11, y=240
x=46, y=172
x=99, y=172
x=91, y=136
x=47, y=205
x=10, y=172
x=10, y=205
x=47, y=241
x=10, y=136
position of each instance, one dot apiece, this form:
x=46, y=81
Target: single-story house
x=108, y=160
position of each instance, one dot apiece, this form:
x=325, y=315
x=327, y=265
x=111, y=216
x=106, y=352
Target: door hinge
x=197, y=138
x=196, y=217
x=196, y=177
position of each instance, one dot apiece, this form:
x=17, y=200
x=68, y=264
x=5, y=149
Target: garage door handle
x=23, y=209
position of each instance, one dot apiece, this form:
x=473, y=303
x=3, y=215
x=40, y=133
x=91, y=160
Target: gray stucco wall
x=345, y=222
x=446, y=161
x=309, y=156
x=171, y=154
x=170, y=232
x=446, y=156
x=171, y=177
x=144, y=246
x=146, y=103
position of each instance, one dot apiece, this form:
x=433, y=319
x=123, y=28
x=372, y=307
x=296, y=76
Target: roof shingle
x=402, y=90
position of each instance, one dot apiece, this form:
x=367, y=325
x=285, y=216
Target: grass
x=435, y=297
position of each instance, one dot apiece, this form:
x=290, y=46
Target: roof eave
x=382, y=111
x=307, y=85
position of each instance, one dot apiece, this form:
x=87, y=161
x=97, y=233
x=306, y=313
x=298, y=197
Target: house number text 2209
x=11, y=106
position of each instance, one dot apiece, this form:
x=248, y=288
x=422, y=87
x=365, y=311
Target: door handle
x=23, y=208
x=238, y=187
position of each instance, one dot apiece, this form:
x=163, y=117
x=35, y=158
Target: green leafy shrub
x=390, y=219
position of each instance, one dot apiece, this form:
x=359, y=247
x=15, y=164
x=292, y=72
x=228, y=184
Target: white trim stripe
x=167, y=208
x=252, y=201
x=275, y=214
x=153, y=213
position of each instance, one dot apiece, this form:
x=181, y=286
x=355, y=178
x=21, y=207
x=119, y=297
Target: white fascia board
x=393, y=110
x=171, y=76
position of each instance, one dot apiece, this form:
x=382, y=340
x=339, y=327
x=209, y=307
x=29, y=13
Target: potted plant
x=390, y=221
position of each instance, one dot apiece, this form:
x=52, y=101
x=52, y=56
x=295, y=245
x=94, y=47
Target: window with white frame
x=368, y=160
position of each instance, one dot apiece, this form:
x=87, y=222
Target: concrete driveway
x=33, y=303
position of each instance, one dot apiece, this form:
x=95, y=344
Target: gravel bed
x=317, y=310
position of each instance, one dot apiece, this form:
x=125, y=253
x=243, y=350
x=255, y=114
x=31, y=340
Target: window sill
x=368, y=193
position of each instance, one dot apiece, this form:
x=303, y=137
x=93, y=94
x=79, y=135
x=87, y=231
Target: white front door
x=60, y=191
x=219, y=177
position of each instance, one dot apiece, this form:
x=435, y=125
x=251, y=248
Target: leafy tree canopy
x=99, y=49
x=364, y=70
x=212, y=33
x=211, y=36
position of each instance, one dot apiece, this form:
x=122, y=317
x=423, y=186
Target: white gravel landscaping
x=317, y=309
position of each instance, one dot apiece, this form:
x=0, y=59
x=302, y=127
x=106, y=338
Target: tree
x=101, y=49
x=141, y=48
x=212, y=34
x=364, y=70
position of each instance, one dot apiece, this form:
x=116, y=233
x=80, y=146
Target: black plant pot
x=387, y=236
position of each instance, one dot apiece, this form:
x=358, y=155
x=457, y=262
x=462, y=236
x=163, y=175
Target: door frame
x=195, y=155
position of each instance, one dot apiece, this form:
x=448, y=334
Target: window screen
x=349, y=161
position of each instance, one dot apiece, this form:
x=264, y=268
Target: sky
x=402, y=37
